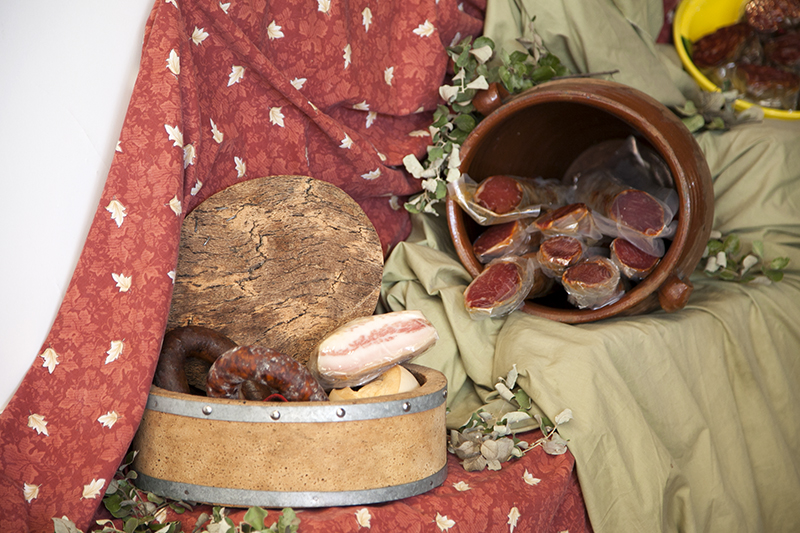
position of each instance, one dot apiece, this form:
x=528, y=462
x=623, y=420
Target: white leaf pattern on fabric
x=388, y=75
x=174, y=62
x=274, y=31
x=216, y=133
x=93, y=489
x=276, y=116
x=175, y=135
x=324, y=6
x=117, y=211
x=175, y=205
x=188, y=155
x=241, y=168
x=381, y=157
x=444, y=523
x=109, y=419
x=115, y=351
x=38, y=423
x=394, y=202
x=298, y=83
x=513, y=516
x=123, y=282
x=171, y=275
x=171, y=2
x=372, y=175
x=361, y=106
x=199, y=35
x=31, y=492
x=363, y=517
x=371, y=116
x=50, y=359
x=347, y=142
x=118, y=147
x=425, y=29
x=366, y=18
x=347, y=53
x=419, y=133
x=225, y=7
x=236, y=75
x=461, y=486
x=196, y=189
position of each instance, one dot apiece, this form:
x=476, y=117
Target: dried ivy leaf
x=555, y=445
x=475, y=464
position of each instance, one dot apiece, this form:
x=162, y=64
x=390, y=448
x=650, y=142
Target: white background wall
x=67, y=70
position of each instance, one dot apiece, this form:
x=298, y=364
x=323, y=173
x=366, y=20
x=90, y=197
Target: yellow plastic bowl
x=696, y=18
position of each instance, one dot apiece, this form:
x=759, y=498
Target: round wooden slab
x=278, y=261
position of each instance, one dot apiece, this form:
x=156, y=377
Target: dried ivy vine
x=143, y=512
x=486, y=441
x=726, y=260
x=457, y=117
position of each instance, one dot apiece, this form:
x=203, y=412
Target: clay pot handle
x=487, y=100
x=674, y=293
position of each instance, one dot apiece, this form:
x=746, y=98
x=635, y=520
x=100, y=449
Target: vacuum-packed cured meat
x=633, y=263
x=571, y=219
x=784, y=52
x=500, y=194
x=769, y=86
x=502, y=239
x=592, y=283
x=558, y=253
x=542, y=283
x=362, y=349
x=768, y=16
x=278, y=371
x=724, y=46
x=500, y=288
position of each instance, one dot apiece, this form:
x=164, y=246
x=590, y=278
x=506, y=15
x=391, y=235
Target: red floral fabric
x=339, y=90
x=536, y=493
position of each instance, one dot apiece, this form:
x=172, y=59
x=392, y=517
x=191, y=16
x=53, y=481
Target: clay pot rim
x=590, y=93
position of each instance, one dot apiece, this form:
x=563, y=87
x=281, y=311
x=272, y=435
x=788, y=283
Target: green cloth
x=687, y=421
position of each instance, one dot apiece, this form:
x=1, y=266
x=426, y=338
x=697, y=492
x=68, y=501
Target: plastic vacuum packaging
x=500, y=288
x=542, y=283
x=502, y=198
x=364, y=348
x=558, y=253
x=639, y=217
x=576, y=220
x=633, y=263
x=508, y=238
x=593, y=283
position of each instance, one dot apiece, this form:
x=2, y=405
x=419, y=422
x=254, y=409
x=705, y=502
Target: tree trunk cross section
x=279, y=261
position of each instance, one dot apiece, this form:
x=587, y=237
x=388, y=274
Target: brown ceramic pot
x=542, y=131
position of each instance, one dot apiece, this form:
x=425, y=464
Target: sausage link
x=279, y=372
x=181, y=343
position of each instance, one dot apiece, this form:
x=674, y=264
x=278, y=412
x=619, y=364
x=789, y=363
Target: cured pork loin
x=639, y=216
x=502, y=194
x=726, y=46
x=558, y=253
x=633, y=263
x=769, y=16
x=500, y=288
x=364, y=348
x=503, y=239
x=571, y=219
x=542, y=283
x=593, y=283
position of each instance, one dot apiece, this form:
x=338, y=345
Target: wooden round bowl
x=540, y=133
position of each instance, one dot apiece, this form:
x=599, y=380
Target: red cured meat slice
x=721, y=47
x=592, y=283
x=501, y=239
x=500, y=288
x=557, y=253
x=638, y=211
x=632, y=262
x=500, y=194
x=772, y=15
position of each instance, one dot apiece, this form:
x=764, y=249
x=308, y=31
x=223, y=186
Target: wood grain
x=278, y=261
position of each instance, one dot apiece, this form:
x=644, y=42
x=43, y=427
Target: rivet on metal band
x=207, y=410
x=275, y=415
x=406, y=406
x=340, y=412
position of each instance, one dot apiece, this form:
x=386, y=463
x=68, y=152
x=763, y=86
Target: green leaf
x=411, y=208
x=130, y=525
x=732, y=245
x=523, y=399
x=779, y=263
x=154, y=498
x=726, y=275
x=483, y=41
x=465, y=122
x=774, y=275
x=694, y=123
x=717, y=124
x=435, y=152
x=758, y=249
x=542, y=74
x=441, y=190
x=255, y=516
